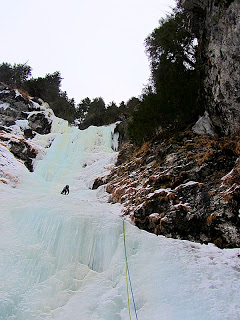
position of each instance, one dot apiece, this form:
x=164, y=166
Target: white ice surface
x=62, y=257
x=11, y=169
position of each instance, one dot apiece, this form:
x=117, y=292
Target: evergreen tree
x=47, y=88
x=64, y=107
x=132, y=104
x=111, y=113
x=14, y=75
x=82, y=108
x=173, y=98
x=95, y=113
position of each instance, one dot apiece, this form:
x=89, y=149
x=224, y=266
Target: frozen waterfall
x=62, y=257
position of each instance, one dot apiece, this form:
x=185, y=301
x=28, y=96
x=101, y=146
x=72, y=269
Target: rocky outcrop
x=21, y=118
x=39, y=123
x=16, y=105
x=22, y=150
x=216, y=24
x=98, y=182
x=185, y=187
x=121, y=129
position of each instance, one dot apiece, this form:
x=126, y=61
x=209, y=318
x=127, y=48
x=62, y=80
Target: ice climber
x=65, y=190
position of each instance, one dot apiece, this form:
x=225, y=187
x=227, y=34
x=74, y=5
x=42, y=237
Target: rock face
x=15, y=106
x=39, y=123
x=185, y=187
x=22, y=150
x=20, y=120
x=217, y=25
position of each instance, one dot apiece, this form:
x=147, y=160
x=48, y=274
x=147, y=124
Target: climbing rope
x=128, y=276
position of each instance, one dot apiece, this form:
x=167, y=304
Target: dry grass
x=230, y=193
x=231, y=182
x=3, y=144
x=156, y=230
x=232, y=142
x=3, y=181
x=144, y=148
x=10, y=177
x=203, y=148
x=171, y=196
x=163, y=199
x=200, y=148
x=218, y=242
x=24, y=94
x=211, y=218
x=207, y=156
x=212, y=192
x=237, y=147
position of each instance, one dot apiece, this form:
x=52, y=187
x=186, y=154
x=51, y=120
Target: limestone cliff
x=216, y=23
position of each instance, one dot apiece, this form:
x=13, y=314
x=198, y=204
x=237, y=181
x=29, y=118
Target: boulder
x=39, y=123
x=98, y=182
x=23, y=151
x=204, y=125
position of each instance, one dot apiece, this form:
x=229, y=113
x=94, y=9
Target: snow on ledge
x=184, y=185
x=159, y=191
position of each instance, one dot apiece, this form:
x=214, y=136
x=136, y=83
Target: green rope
x=128, y=273
x=126, y=267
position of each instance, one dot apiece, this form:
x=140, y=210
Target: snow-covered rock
x=27, y=128
x=191, y=182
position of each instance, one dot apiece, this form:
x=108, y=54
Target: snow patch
x=5, y=105
x=12, y=170
x=187, y=184
x=154, y=215
x=22, y=124
x=159, y=191
x=204, y=125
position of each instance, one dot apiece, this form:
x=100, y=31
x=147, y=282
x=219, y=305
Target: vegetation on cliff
x=172, y=99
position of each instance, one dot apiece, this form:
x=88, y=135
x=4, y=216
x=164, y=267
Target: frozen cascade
x=62, y=257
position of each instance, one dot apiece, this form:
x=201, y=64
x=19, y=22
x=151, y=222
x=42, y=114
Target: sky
x=98, y=46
